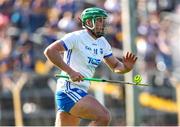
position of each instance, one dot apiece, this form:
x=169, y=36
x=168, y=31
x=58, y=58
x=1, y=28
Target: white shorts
x=66, y=98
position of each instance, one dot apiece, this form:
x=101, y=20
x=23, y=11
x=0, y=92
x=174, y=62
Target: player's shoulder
x=78, y=32
x=103, y=41
x=74, y=34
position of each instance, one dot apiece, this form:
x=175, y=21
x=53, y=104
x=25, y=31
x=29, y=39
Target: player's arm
x=121, y=67
x=52, y=53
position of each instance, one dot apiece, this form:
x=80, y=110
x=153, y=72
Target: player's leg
x=65, y=119
x=65, y=100
x=89, y=108
x=76, y=102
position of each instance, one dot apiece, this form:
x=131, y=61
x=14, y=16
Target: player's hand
x=76, y=76
x=129, y=60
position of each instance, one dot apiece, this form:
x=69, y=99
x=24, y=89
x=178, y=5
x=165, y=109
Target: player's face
x=100, y=24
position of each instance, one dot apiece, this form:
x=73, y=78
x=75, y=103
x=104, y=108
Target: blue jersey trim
x=69, y=56
x=108, y=55
x=64, y=45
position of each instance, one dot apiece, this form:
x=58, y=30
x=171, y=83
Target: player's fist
x=75, y=76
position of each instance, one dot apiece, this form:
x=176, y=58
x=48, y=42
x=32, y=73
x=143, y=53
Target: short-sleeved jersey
x=83, y=54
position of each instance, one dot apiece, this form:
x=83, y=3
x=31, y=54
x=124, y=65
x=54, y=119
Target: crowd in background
x=158, y=41
x=28, y=26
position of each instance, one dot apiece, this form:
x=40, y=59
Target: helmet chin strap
x=90, y=29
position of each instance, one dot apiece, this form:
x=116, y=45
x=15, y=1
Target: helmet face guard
x=93, y=14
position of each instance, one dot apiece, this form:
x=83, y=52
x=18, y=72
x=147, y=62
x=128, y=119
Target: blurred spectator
x=66, y=23
x=53, y=17
x=114, y=30
x=165, y=55
x=20, y=16
x=38, y=15
x=5, y=40
x=26, y=53
x=112, y=5
x=6, y=6
x=66, y=5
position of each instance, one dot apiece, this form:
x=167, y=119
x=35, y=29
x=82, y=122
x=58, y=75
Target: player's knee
x=105, y=118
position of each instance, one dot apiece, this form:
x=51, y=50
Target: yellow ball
x=137, y=79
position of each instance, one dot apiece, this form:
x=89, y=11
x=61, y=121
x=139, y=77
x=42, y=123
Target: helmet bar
x=92, y=13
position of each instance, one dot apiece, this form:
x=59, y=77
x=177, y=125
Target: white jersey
x=83, y=54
